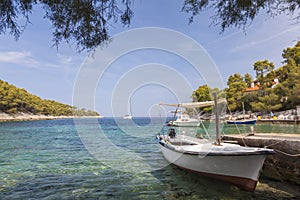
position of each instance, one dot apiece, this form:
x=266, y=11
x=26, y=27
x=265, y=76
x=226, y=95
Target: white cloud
x=16, y=57
x=26, y=59
x=274, y=37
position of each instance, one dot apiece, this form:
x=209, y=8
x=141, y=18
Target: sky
x=137, y=80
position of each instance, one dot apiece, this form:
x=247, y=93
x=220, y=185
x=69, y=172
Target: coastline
x=4, y=117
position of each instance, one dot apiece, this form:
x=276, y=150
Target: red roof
x=255, y=88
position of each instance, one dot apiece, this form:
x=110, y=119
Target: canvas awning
x=194, y=104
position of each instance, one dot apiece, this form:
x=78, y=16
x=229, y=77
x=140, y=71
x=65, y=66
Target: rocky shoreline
x=4, y=117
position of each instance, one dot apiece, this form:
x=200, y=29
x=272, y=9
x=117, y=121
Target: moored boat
x=184, y=120
x=233, y=163
x=242, y=121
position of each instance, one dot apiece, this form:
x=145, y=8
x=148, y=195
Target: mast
x=218, y=142
x=175, y=114
x=243, y=109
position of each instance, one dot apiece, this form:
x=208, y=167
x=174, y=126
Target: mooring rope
x=276, y=143
x=287, y=154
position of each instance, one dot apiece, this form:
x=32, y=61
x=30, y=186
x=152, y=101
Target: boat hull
x=127, y=117
x=242, y=171
x=242, y=121
x=184, y=123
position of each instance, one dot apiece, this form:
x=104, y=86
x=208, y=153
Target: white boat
x=233, y=163
x=184, y=120
x=127, y=117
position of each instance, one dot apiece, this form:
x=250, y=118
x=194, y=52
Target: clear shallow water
x=108, y=159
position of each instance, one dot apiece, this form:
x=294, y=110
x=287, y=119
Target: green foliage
x=267, y=102
x=249, y=98
x=270, y=97
x=292, y=55
x=240, y=13
x=83, y=112
x=13, y=99
x=204, y=93
x=289, y=87
x=84, y=23
x=248, y=79
x=285, y=95
x=261, y=68
x=235, y=91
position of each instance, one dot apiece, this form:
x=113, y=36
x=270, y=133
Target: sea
x=112, y=158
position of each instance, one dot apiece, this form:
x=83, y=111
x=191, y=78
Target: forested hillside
x=13, y=100
x=271, y=89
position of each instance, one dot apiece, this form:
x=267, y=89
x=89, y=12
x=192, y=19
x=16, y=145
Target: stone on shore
x=24, y=117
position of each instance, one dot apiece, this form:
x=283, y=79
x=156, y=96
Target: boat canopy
x=194, y=104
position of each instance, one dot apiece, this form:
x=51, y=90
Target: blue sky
x=32, y=63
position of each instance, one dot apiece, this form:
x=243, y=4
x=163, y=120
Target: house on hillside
x=255, y=86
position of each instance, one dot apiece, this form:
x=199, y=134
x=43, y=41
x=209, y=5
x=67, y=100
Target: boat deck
x=191, y=145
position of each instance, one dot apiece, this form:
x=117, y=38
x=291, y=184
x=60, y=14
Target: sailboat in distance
x=128, y=116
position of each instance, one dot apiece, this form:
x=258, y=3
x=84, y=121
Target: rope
x=205, y=130
x=276, y=143
x=287, y=154
x=244, y=141
x=239, y=132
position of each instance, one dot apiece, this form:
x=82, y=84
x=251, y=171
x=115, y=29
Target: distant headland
x=17, y=104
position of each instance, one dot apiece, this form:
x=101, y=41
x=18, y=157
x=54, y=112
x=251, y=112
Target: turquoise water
x=108, y=159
